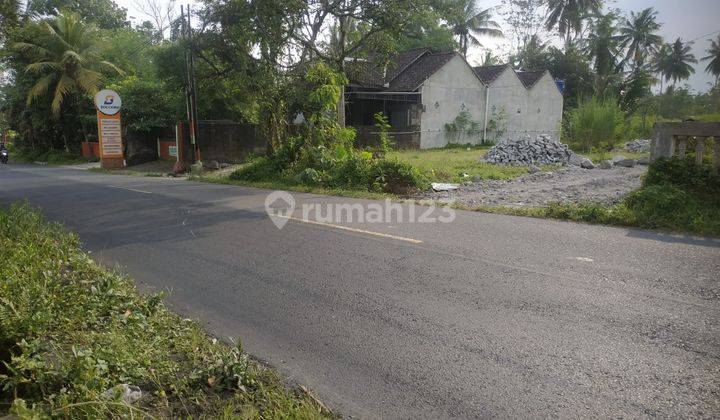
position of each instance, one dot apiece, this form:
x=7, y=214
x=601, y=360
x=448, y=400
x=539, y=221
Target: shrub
x=667, y=206
x=323, y=153
x=396, y=177
x=683, y=173
x=595, y=123
x=640, y=127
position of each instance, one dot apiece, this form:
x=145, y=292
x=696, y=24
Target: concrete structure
x=521, y=103
x=671, y=139
x=432, y=99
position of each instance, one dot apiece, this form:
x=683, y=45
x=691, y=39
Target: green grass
x=70, y=330
x=598, y=156
x=53, y=157
x=224, y=178
x=127, y=172
x=448, y=164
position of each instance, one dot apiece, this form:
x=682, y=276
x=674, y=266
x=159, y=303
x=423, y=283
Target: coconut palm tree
x=713, y=57
x=533, y=55
x=470, y=23
x=660, y=64
x=567, y=15
x=677, y=65
x=602, y=46
x=67, y=60
x=639, y=37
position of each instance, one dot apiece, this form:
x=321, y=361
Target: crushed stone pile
x=638, y=145
x=541, y=150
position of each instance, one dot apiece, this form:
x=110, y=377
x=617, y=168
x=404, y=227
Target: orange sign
x=110, y=135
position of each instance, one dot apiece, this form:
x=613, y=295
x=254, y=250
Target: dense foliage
x=323, y=152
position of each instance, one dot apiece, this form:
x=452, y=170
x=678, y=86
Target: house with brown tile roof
x=421, y=92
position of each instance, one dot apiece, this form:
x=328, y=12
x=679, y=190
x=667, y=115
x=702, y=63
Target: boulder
x=213, y=165
x=586, y=164
x=533, y=169
x=617, y=159
x=606, y=164
x=628, y=163
x=645, y=160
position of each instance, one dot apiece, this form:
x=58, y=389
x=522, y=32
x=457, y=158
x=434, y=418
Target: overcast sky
x=687, y=19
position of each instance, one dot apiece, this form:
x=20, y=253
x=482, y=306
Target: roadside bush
x=323, y=153
x=639, y=127
x=396, y=177
x=683, y=173
x=595, y=124
x=668, y=206
x=71, y=332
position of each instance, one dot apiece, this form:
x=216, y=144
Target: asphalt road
x=487, y=316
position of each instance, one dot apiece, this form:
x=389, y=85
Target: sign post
x=108, y=105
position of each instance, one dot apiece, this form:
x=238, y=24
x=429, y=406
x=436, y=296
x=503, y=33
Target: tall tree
x=713, y=67
x=524, y=20
x=639, y=36
x=677, y=65
x=567, y=15
x=66, y=67
x=469, y=24
x=660, y=64
x=602, y=44
x=105, y=14
x=68, y=60
x=533, y=56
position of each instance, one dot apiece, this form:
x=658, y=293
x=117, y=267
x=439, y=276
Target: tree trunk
x=342, y=21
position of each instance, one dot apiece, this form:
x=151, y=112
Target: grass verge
x=676, y=196
x=71, y=330
x=218, y=177
x=451, y=163
x=53, y=157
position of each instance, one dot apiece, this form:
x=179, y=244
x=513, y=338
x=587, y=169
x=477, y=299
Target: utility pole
x=190, y=92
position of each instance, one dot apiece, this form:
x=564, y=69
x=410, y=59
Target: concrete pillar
x=699, y=150
x=682, y=146
x=663, y=145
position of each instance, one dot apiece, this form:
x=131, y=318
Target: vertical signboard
x=108, y=105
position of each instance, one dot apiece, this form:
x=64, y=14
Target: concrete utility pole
x=190, y=92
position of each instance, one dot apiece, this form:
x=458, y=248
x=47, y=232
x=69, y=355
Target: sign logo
x=108, y=102
x=279, y=205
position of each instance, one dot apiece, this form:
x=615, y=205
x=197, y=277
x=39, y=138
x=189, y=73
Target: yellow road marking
x=130, y=189
x=367, y=232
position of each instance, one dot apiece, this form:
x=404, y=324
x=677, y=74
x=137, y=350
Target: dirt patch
x=567, y=185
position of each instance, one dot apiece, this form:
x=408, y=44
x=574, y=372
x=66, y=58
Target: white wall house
x=423, y=92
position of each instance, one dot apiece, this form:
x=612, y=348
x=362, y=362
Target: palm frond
x=111, y=67
x=89, y=81
x=29, y=48
x=41, y=66
x=39, y=88
x=61, y=89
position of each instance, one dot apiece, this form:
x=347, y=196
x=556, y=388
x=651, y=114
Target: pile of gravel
x=541, y=150
x=638, y=145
